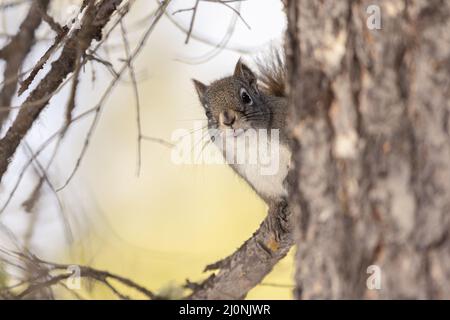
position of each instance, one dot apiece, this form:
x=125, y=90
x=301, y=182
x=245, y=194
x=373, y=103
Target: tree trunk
x=370, y=127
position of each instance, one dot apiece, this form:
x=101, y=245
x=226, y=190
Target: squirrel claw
x=277, y=222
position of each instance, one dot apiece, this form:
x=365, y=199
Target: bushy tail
x=272, y=73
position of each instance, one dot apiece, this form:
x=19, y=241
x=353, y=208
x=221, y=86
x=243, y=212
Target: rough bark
x=369, y=122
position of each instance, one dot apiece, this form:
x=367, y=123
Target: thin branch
x=15, y=52
x=221, y=45
x=210, y=42
x=191, y=24
x=92, y=25
x=99, y=107
x=107, y=64
x=225, y=3
x=136, y=96
x=194, y=10
x=42, y=285
x=121, y=11
x=158, y=140
x=55, y=26
x=39, y=150
x=46, y=268
x=43, y=172
x=73, y=92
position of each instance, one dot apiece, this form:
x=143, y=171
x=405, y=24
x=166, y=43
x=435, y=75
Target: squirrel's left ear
x=242, y=71
x=201, y=90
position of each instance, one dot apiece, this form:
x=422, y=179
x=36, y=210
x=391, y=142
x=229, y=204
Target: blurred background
x=166, y=224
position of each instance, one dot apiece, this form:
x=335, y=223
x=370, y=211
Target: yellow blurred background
x=165, y=225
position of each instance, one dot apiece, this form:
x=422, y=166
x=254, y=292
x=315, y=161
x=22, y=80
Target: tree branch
x=15, y=52
x=92, y=25
x=46, y=276
x=247, y=266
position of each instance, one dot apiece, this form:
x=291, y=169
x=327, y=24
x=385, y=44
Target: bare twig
x=191, y=24
x=205, y=40
x=92, y=25
x=43, y=173
x=73, y=92
x=107, y=64
x=98, y=108
x=55, y=26
x=194, y=10
x=225, y=3
x=219, y=46
x=50, y=274
x=15, y=52
x=158, y=140
x=136, y=96
x=41, y=149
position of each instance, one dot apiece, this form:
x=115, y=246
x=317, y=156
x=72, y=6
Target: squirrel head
x=235, y=102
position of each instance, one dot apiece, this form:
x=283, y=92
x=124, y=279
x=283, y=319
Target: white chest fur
x=265, y=169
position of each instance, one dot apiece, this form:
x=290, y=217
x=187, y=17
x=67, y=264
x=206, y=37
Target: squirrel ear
x=201, y=89
x=242, y=71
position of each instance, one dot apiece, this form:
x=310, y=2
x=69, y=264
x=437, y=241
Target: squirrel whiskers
x=248, y=101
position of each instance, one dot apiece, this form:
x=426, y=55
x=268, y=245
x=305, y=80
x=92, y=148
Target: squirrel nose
x=228, y=117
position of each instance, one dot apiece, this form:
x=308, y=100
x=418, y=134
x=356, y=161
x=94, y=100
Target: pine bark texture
x=369, y=118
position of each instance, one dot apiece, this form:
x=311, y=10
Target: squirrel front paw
x=278, y=219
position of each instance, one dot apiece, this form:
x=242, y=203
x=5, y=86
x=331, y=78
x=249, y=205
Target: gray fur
x=266, y=111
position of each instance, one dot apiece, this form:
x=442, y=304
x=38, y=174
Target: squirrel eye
x=245, y=97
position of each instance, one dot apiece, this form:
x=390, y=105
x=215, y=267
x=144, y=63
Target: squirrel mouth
x=233, y=132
